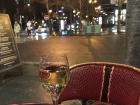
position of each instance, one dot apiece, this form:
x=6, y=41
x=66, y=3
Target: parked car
x=42, y=30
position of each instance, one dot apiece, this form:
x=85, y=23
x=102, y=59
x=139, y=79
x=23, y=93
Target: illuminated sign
x=60, y=11
x=100, y=20
x=62, y=24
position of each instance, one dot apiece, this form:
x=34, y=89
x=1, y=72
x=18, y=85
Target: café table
x=31, y=104
x=96, y=103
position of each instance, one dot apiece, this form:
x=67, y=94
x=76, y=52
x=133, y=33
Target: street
x=79, y=49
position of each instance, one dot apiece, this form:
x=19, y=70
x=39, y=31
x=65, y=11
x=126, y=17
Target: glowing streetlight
x=28, y=4
x=50, y=11
x=95, y=1
x=99, y=7
x=105, y=14
x=62, y=7
x=74, y=11
x=90, y=1
x=78, y=12
x=101, y=11
x=86, y=16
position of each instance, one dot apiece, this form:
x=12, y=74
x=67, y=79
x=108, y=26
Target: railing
x=91, y=29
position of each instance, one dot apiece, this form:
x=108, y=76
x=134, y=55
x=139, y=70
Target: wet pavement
x=79, y=49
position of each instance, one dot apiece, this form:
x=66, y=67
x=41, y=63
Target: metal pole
x=57, y=10
x=70, y=18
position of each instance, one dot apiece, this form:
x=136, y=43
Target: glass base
x=55, y=99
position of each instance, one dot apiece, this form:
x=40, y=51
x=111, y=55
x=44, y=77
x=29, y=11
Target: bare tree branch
x=47, y=3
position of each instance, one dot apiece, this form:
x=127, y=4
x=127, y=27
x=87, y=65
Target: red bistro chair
x=107, y=82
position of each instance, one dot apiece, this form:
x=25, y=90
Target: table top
x=97, y=103
x=31, y=104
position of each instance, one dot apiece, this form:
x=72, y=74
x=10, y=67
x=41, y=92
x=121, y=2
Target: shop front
x=110, y=16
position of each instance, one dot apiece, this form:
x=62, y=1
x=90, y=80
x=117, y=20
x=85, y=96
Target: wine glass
x=54, y=74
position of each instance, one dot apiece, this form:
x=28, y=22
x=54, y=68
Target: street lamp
x=101, y=11
x=62, y=8
x=28, y=4
x=78, y=12
x=99, y=7
x=90, y=1
x=74, y=11
x=86, y=16
x=95, y=1
x=50, y=11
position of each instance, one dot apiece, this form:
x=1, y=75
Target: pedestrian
x=56, y=28
x=17, y=29
x=50, y=26
x=33, y=26
x=65, y=28
x=94, y=22
x=36, y=27
x=29, y=27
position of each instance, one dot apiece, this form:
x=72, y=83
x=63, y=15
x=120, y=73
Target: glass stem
x=55, y=100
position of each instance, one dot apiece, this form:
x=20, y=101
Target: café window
x=122, y=17
x=108, y=19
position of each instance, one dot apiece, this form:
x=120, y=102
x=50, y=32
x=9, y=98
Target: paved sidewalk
x=79, y=49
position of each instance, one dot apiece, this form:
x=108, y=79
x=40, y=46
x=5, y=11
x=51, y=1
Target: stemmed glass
x=54, y=74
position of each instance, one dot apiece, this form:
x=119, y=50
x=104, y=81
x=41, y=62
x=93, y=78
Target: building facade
x=110, y=18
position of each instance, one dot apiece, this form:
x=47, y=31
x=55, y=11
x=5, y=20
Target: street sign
x=60, y=11
x=9, y=55
x=46, y=17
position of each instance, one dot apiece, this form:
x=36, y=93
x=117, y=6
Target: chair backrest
x=106, y=82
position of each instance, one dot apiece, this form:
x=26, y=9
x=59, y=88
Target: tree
x=9, y=7
x=132, y=36
x=48, y=4
x=78, y=5
x=84, y=7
